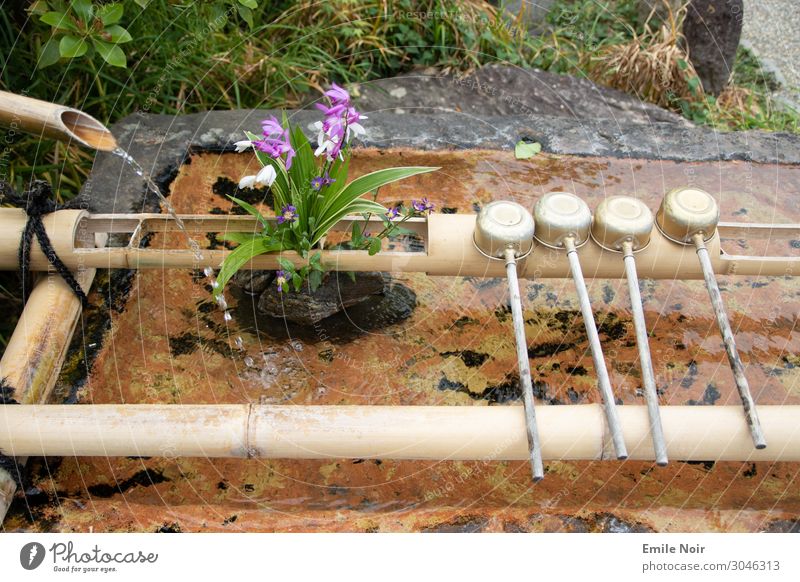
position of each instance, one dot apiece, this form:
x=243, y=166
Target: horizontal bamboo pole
x=53, y=120
x=576, y=432
x=448, y=238
x=36, y=350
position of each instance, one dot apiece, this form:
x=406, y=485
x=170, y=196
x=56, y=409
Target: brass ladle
x=504, y=231
x=690, y=216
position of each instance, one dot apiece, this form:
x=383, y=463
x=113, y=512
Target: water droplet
x=248, y=361
x=239, y=343
x=208, y=271
x=227, y=316
x=221, y=302
x=321, y=391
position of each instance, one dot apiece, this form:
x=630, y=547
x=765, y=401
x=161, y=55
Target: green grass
x=195, y=56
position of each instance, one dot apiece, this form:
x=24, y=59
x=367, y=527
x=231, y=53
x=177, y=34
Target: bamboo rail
x=576, y=432
x=36, y=350
x=449, y=249
x=52, y=120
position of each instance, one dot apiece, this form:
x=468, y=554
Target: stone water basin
x=157, y=337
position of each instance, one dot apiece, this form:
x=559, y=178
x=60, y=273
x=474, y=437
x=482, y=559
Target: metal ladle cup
x=504, y=231
x=563, y=221
x=623, y=224
x=690, y=216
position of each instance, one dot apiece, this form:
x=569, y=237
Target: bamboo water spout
x=55, y=121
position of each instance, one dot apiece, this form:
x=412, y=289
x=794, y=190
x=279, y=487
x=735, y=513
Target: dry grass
x=652, y=65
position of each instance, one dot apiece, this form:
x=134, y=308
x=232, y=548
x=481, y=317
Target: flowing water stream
x=193, y=245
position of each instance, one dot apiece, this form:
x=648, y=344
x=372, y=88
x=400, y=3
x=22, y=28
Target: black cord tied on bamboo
x=9, y=464
x=37, y=202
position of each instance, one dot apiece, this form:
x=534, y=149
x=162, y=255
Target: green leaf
x=286, y=265
x=58, y=20
x=355, y=237
x=297, y=281
x=118, y=34
x=84, y=9
x=400, y=231
x=251, y=209
x=142, y=3
x=239, y=237
x=375, y=246
x=352, y=275
x=315, y=280
x=253, y=4
x=49, y=53
x=110, y=13
x=524, y=150
x=71, y=47
x=338, y=172
x=240, y=256
x=349, y=200
x=246, y=14
x=111, y=53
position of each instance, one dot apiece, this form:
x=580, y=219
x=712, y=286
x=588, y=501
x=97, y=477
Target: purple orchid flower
x=393, y=213
x=422, y=205
x=341, y=123
x=320, y=181
x=331, y=111
x=288, y=214
x=337, y=95
x=276, y=141
x=272, y=127
x=280, y=278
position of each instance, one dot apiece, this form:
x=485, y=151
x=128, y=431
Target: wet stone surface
x=165, y=341
x=337, y=293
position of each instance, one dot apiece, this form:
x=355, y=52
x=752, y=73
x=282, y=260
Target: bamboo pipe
x=52, y=120
x=36, y=350
x=577, y=432
x=450, y=250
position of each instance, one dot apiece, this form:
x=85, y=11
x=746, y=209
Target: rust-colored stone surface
x=168, y=343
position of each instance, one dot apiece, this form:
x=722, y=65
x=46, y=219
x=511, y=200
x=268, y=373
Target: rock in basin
x=338, y=292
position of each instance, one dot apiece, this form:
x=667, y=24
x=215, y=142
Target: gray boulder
x=507, y=91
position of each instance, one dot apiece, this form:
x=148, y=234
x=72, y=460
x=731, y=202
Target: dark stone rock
x=464, y=524
x=338, y=291
x=784, y=526
x=162, y=143
x=712, y=29
x=253, y=282
x=503, y=90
